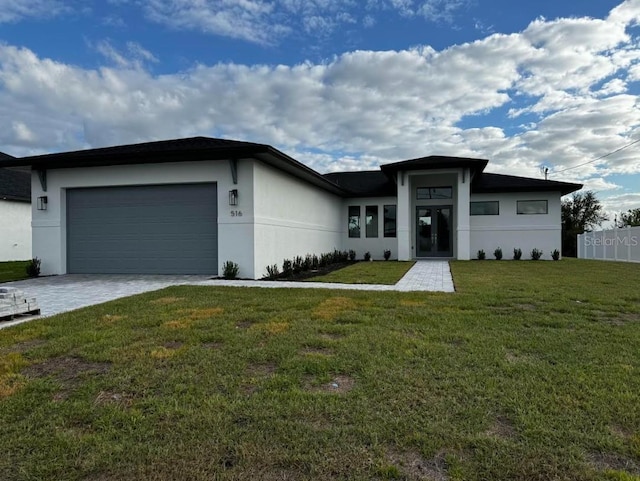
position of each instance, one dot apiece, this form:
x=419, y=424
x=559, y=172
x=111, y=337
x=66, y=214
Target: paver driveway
x=56, y=294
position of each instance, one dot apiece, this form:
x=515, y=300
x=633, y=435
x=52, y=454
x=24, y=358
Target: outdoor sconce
x=233, y=197
x=42, y=203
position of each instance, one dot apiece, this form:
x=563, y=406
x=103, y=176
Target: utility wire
x=599, y=158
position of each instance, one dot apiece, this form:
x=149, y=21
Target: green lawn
x=378, y=272
x=531, y=371
x=13, y=271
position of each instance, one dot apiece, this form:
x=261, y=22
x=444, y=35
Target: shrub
x=287, y=267
x=497, y=253
x=273, y=272
x=536, y=254
x=230, y=270
x=387, y=254
x=314, y=262
x=517, y=254
x=306, y=265
x=325, y=260
x=352, y=255
x=33, y=267
x=367, y=256
x=297, y=264
x=481, y=255
x=555, y=255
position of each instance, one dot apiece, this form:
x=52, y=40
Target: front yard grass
x=529, y=372
x=377, y=272
x=13, y=271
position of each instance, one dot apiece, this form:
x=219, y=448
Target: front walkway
x=57, y=294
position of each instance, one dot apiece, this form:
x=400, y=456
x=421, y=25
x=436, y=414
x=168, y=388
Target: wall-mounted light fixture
x=233, y=197
x=42, y=203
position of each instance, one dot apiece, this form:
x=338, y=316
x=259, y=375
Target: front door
x=434, y=233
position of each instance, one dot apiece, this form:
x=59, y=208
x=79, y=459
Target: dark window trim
x=349, y=217
x=395, y=221
x=435, y=187
x=366, y=224
x=485, y=202
x=546, y=210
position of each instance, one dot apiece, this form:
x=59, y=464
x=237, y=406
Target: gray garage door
x=156, y=229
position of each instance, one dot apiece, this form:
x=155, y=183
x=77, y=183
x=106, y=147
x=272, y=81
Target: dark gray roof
x=489, y=183
x=373, y=183
x=178, y=150
x=15, y=185
x=347, y=184
x=435, y=162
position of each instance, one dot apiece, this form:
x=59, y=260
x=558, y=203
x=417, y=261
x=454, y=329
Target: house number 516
x=236, y=213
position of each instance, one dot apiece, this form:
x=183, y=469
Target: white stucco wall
x=292, y=218
x=235, y=233
x=15, y=230
x=510, y=230
x=374, y=245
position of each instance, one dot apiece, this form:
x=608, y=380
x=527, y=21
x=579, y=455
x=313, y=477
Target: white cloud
x=360, y=109
x=268, y=21
x=15, y=10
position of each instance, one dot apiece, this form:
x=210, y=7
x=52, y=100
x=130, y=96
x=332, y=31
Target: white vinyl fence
x=611, y=245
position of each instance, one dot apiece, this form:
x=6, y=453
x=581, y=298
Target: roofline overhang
x=109, y=157
x=563, y=187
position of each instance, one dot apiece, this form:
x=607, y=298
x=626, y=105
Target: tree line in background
x=582, y=213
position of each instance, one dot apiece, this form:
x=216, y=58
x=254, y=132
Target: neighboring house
x=187, y=206
x=15, y=213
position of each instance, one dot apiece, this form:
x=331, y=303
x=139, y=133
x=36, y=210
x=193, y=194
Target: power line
x=599, y=158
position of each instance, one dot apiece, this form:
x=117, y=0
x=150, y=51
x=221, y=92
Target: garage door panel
x=165, y=229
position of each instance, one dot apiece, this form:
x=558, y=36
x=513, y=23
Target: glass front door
x=434, y=233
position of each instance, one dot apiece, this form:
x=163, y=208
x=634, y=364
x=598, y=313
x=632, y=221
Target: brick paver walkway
x=56, y=294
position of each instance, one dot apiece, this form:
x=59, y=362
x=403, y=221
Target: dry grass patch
x=162, y=353
x=273, y=327
x=331, y=308
x=178, y=324
x=162, y=301
x=111, y=318
x=410, y=303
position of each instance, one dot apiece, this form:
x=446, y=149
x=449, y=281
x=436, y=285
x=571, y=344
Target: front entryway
x=434, y=231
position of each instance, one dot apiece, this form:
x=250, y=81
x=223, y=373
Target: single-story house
x=187, y=206
x=15, y=213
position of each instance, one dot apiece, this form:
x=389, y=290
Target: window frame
x=351, y=216
x=546, y=207
x=430, y=192
x=375, y=219
x=395, y=221
x=496, y=202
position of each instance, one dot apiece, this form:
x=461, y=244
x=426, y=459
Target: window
x=434, y=193
x=354, y=221
x=533, y=207
x=371, y=220
x=489, y=207
x=390, y=220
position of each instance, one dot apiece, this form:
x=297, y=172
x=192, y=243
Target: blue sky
x=339, y=84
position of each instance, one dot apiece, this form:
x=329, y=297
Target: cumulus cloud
x=566, y=82
x=15, y=10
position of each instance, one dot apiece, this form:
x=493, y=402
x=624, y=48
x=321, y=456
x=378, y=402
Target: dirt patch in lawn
x=501, y=428
x=340, y=384
x=212, y=345
x=68, y=371
x=113, y=398
x=246, y=324
x=616, y=462
x=316, y=351
x=417, y=468
x=256, y=374
x=24, y=346
x=173, y=344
